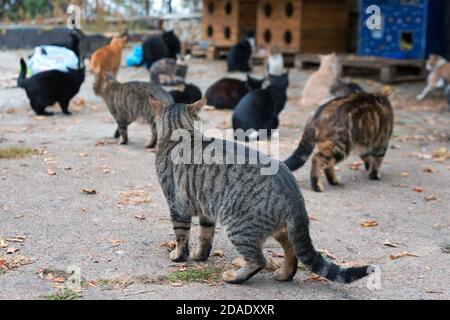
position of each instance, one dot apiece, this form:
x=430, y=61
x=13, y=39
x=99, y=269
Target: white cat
x=317, y=87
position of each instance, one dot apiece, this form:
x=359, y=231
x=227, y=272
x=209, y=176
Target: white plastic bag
x=47, y=58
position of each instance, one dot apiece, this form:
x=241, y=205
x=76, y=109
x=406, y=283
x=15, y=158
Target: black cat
x=190, y=94
x=226, y=93
x=72, y=43
x=157, y=47
x=48, y=87
x=259, y=109
x=239, y=56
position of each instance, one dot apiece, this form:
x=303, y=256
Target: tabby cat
x=361, y=122
x=236, y=195
x=129, y=101
x=169, y=72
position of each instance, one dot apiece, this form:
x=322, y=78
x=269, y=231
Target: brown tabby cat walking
x=362, y=122
x=211, y=181
x=128, y=102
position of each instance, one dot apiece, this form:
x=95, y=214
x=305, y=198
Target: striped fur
x=128, y=102
x=168, y=72
x=361, y=121
x=238, y=197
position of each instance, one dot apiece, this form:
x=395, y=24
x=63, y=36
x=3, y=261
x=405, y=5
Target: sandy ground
x=116, y=238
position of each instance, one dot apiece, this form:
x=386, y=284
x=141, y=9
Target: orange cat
x=108, y=58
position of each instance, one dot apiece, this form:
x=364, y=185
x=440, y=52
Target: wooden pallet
x=381, y=69
x=217, y=52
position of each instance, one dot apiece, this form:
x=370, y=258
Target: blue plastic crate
x=411, y=29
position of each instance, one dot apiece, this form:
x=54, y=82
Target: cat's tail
x=22, y=74
x=304, y=149
x=298, y=230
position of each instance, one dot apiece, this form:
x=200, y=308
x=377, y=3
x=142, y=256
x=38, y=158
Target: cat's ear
x=197, y=106
x=155, y=104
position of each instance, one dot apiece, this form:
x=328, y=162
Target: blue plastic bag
x=135, y=57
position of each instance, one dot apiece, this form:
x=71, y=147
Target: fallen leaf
x=405, y=174
x=19, y=239
x=219, y=253
x=169, y=245
x=428, y=169
x=431, y=198
x=116, y=243
x=140, y=217
x=355, y=165
x=83, y=154
x=400, y=185
x=176, y=284
x=315, y=277
x=275, y=254
x=133, y=197
x=418, y=189
x=388, y=243
x=89, y=191
x=3, y=243
x=11, y=250
x=435, y=292
x=402, y=254
x=51, y=172
x=59, y=280
x=369, y=224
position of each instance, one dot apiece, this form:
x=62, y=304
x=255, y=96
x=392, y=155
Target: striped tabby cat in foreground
x=362, y=122
x=237, y=196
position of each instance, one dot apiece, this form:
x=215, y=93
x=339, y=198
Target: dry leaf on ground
x=11, y=250
x=89, y=191
x=133, y=197
x=388, y=243
x=355, y=166
x=418, y=189
x=402, y=254
x=115, y=242
x=428, y=169
x=139, y=217
x=431, y=198
x=169, y=245
x=369, y=224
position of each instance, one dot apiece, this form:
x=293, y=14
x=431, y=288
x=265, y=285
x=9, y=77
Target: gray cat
x=239, y=197
x=129, y=101
x=169, y=72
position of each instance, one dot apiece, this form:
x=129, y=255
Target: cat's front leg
x=182, y=230
x=123, y=132
x=205, y=241
x=153, y=139
x=117, y=133
x=316, y=170
x=424, y=93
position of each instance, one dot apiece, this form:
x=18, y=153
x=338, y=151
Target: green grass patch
x=65, y=294
x=207, y=273
x=15, y=152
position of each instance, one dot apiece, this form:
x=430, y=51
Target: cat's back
x=147, y=90
x=244, y=170
x=358, y=107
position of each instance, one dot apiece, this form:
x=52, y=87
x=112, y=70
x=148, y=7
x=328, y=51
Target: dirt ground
x=118, y=237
